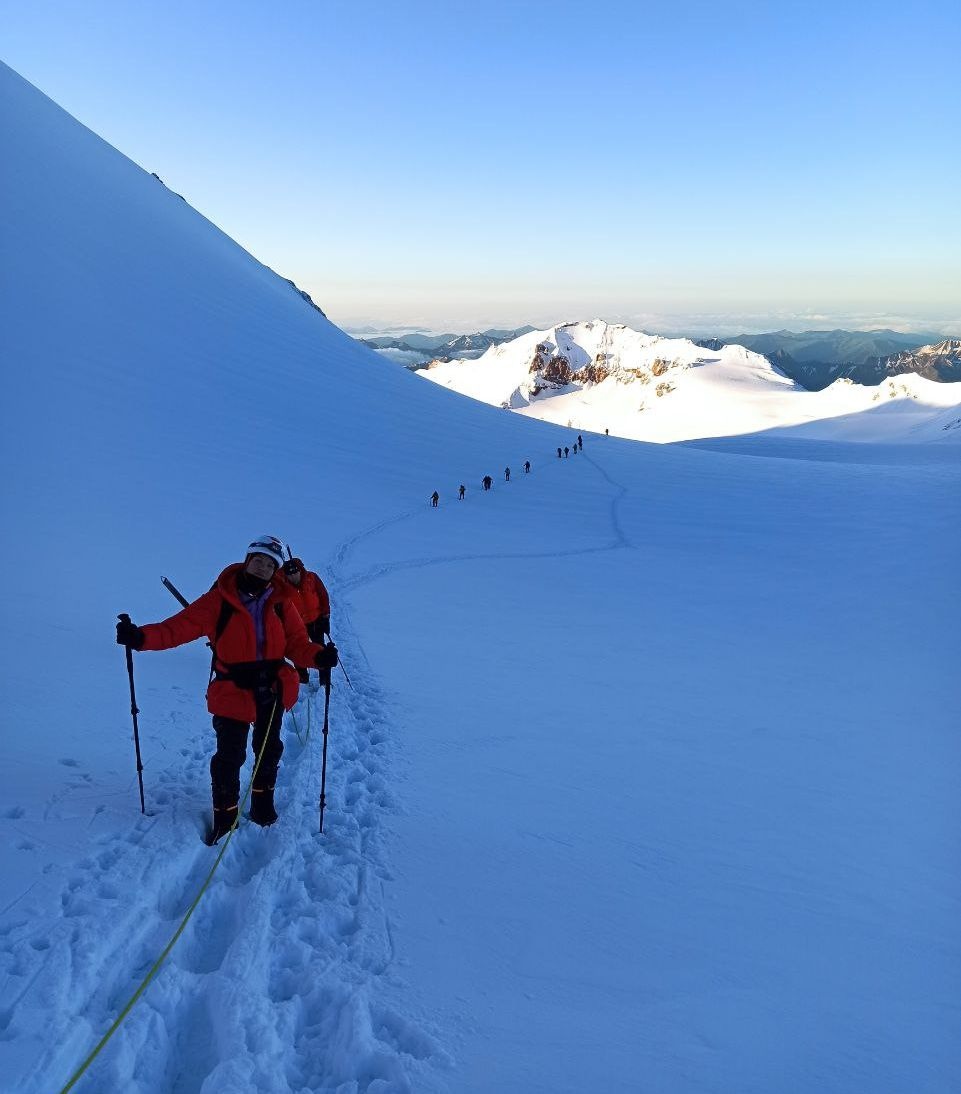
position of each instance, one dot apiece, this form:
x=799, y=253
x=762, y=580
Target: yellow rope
x=183, y=923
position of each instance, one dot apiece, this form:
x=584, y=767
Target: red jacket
x=313, y=600
x=284, y=636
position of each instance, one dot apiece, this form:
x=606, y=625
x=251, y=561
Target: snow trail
x=273, y=985
x=649, y=780
x=347, y=582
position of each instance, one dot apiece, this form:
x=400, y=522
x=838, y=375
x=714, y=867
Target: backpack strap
x=226, y=611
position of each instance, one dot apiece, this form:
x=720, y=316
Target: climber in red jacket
x=253, y=623
x=313, y=598
x=313, y=602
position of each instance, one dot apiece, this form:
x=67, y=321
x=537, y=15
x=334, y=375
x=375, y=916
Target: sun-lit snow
x=669, y=389
x=648, y=777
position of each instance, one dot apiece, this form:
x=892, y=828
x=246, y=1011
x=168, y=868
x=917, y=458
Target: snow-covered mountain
x=647, y=779
x=598, y=376
x=941, y=361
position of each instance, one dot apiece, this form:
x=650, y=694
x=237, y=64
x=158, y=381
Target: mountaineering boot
x=262, y=809
x=224, y=820
x=225, y=799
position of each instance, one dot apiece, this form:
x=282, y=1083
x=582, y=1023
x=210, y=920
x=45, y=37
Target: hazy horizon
x=714, y=169
x=702, y=326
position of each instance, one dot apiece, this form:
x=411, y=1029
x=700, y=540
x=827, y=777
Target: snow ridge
x=599, y=376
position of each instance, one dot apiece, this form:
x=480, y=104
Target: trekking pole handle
x=134, y=709
x=340, y=662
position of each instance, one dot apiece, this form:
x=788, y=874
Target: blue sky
x=687, y=166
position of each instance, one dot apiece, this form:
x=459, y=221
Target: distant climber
x=434, y=499
x=488, y=482
x=558, y=453
x=566, y=451
x=527, y=467
x=507, y=474
x=461, y=492
x=580, y=441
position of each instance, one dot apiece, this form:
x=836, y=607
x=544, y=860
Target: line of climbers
x=487, y=482
x=258, y=615
x=578, y=444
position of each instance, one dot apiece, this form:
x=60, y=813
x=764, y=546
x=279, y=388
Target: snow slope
x=648, y=778
x=596, y=376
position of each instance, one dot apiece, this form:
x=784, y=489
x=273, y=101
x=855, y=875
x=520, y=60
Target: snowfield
x=648, y=776
x=599, y=376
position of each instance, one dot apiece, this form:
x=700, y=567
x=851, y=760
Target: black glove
x=128, y=634
x=327, y=657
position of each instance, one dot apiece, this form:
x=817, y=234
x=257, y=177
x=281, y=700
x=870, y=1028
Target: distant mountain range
x=815, y=359
x=831, y=346
x=423, y=348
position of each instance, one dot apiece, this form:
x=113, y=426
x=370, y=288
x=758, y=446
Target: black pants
x=226, y=762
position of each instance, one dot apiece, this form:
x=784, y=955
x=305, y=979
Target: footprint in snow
x=397, y=1033
x=109, y=858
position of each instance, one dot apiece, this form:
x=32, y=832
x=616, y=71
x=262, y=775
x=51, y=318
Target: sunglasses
x=269, y=546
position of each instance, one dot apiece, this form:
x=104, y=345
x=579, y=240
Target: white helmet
x=269, y=546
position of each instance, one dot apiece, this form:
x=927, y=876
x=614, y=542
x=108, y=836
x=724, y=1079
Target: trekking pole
x=340, y=661
x=134, y=711
x=323, y=770
x=344, y=671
